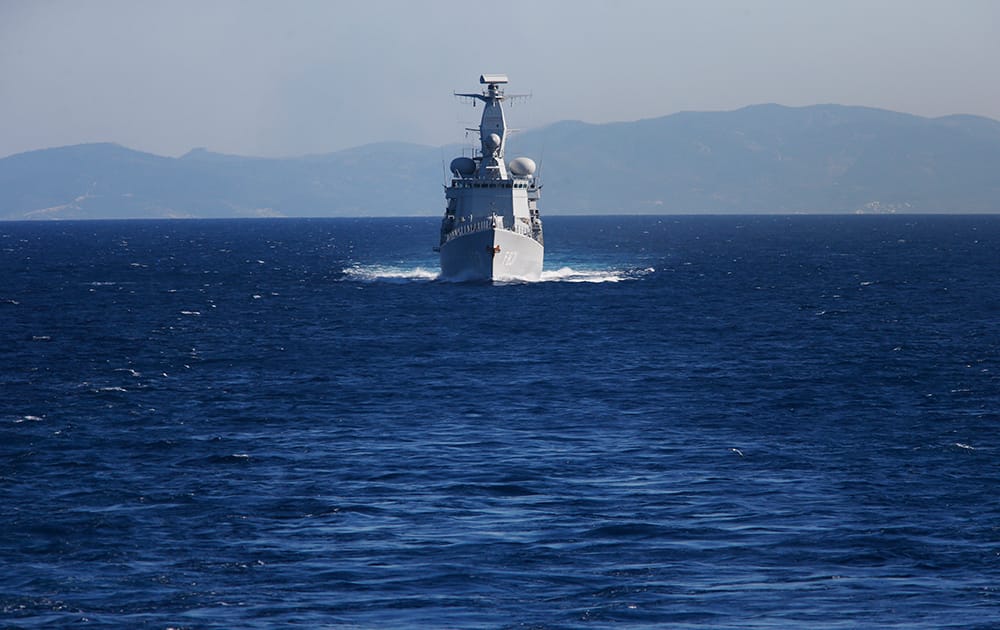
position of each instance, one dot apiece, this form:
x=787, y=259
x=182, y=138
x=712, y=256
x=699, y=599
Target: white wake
x=384, y=273
x=388, y=273
x=569, y=274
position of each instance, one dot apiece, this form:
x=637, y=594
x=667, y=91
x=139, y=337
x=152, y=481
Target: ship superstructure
x=491, y=229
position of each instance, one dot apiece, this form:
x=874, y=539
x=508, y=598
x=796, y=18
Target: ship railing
x=470, y=228
x=522, y=228
x=489, y=223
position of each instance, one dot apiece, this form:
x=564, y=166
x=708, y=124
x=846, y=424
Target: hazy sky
x=297, y=77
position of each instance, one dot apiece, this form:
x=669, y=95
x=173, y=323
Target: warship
x=491, y=229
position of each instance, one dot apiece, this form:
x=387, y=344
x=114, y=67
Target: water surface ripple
x=690, y=422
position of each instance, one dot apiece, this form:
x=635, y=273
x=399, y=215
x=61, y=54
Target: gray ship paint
x=491, y=229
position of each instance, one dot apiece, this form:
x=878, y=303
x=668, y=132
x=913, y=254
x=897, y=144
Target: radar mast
x=492, y=127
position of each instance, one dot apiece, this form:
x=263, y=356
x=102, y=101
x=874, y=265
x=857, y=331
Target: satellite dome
x=522, y=167
x=463, y=166
x=492, y=141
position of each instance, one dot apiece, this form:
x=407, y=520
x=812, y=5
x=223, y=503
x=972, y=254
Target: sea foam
x=397, y=274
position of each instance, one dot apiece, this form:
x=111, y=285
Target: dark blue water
x=691, y=422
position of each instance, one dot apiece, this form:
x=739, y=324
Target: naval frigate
x=491, y=229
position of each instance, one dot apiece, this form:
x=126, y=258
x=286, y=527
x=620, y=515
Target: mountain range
x=759, y=159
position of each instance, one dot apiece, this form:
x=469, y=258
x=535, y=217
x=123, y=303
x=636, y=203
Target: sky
x=314, y=76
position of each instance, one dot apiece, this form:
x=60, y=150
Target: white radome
x=463, y=166
x=522, y=167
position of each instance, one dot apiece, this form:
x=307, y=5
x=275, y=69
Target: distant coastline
x=762, y=159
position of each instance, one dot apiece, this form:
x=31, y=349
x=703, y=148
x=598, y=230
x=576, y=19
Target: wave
x=384, y=273
x=568, y=274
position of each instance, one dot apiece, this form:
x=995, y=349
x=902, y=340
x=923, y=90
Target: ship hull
x=493, y=254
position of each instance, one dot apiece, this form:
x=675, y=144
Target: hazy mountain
x=769, y=158
x=110, y=181
x=764, y=158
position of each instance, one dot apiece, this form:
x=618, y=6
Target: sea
x=689, y=422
